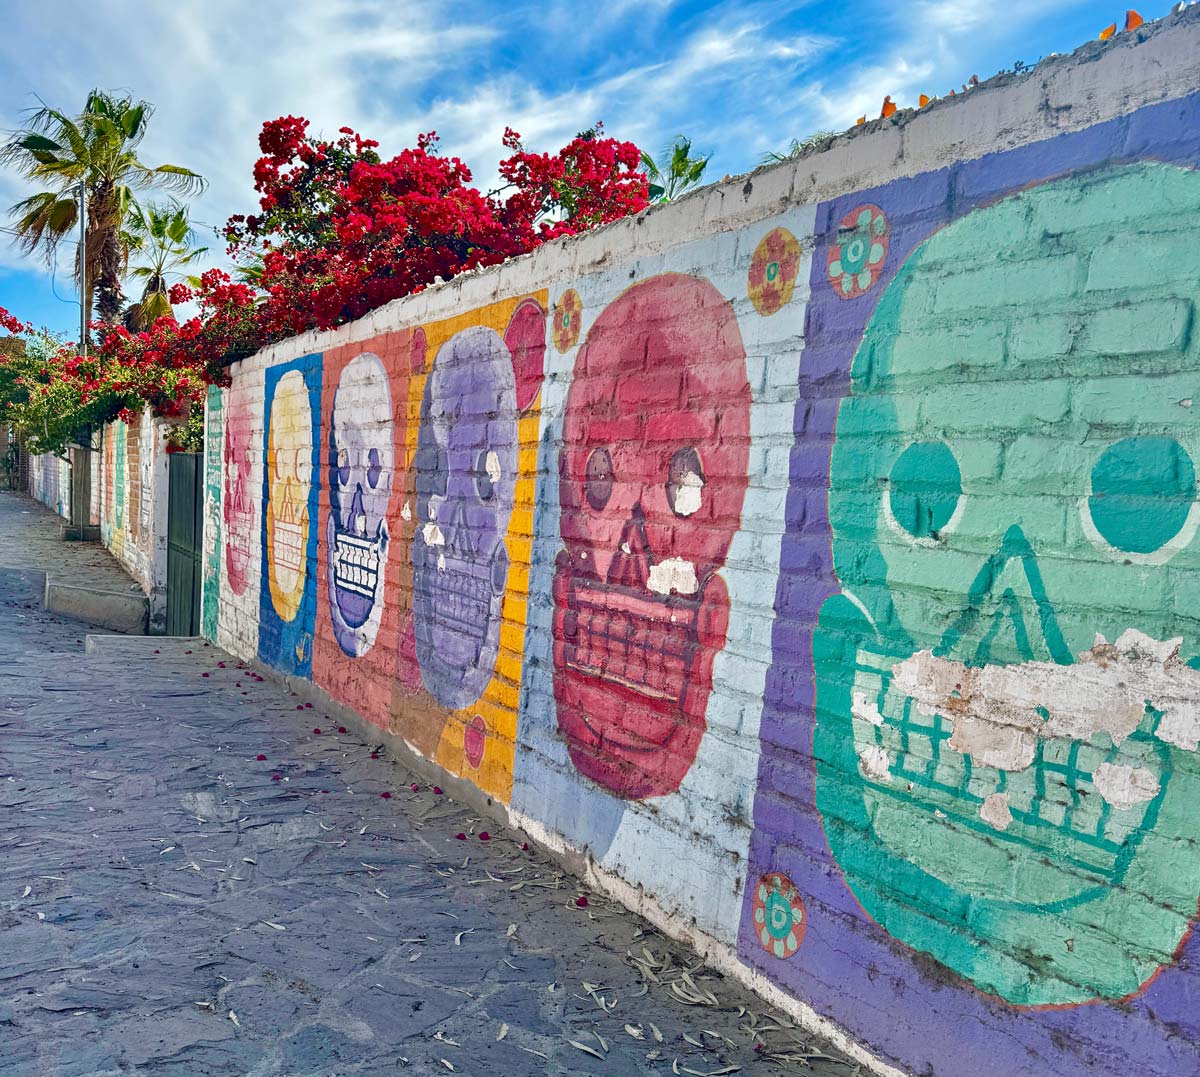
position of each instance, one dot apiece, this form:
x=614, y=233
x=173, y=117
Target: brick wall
x=49, y=481
x=814, y=556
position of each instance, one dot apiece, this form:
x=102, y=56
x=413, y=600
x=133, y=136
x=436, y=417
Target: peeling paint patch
x=673, y=574
x=874, y=762
x=1124, y=786
x=865, y=708
x=995, y=812
x=999, y=712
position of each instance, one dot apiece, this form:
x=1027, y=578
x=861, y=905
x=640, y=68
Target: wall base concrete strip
x=121, y=611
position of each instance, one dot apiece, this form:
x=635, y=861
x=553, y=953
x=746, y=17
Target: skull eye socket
x=487, y=474
x=598, y=478
x=343, y=466
x=1143, y=489
x=924, y=488
x=374, y=468
x=685, y=482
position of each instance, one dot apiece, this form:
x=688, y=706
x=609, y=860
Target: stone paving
x=194, y=881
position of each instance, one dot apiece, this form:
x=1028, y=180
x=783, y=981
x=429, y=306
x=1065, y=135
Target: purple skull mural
x=360, y=485
x=466, y=468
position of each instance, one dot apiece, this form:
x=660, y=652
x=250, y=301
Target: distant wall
x=816, y=555
x=128, y=500
x=129, y=488
x=49, y=479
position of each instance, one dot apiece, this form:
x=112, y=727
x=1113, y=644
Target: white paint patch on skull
x=999, y=712
x=673, y=574
x=874, y=762
x=864, y=707
x=491, y=464
x=687, y=498
x=1123, y=786
x=995, y=811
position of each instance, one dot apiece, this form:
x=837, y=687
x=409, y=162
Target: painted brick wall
x=128, y=500
x=132, y=500
x=50, y=482
x=815, y=555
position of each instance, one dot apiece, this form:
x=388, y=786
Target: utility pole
x=83, y=282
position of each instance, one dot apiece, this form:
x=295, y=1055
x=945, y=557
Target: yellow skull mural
x=289, y=468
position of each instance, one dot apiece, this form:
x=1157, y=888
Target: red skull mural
x=652, y=478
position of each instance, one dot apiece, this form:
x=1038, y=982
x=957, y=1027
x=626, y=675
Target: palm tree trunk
x=105, y=247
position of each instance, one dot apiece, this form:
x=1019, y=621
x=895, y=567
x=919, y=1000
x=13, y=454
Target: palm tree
x=98, y=150
x=159, y=238
x=679, y=171
x=795, y=148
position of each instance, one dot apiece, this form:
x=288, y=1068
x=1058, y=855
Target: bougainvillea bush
x=339, y=232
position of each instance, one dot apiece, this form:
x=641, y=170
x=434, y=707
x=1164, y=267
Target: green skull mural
x=1008, y=704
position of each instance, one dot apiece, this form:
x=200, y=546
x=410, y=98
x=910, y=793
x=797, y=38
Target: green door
x=184, y=539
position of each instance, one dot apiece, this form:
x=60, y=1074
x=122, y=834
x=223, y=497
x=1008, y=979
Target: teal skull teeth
x=1005, y=749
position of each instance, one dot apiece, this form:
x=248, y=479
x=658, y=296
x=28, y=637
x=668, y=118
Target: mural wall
x=824, y=573
x=128, y=499
x=50, y=482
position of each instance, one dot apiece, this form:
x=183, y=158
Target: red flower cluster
x=342, y=231
x=13, y=324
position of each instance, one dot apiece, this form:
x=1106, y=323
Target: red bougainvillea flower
x=415, y=788
x=437, y=791
x=567, y=320
x=203, y=674
x=276, y=777
x=316, y=730
x=524, y=846
x=308, y=707
x=484, y=836
x=773, y=270
x=342, y=729
x=386, y=795
x=582, y=901
x=461, y=836
x=261, y=758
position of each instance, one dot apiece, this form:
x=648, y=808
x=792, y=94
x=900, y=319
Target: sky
x=739, y=78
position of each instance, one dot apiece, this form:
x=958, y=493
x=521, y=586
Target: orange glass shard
x=888, y=108
x=1108, y=32
x=923, y=100
x=1132, y=20
x=860, y=120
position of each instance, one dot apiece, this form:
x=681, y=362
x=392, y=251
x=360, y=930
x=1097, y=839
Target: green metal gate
x=184, y=539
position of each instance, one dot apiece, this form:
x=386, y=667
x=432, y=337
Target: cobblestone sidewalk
x=194, y=880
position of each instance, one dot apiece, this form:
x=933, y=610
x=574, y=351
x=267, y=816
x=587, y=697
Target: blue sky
x=740, y=78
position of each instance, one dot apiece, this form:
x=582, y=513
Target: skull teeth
x=288, y=543
x=356, y=565
x=1056, y=797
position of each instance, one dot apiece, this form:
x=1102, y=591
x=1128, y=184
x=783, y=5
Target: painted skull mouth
x=638, y=642
x=461, y=608
x=357, y=562
x=288, y=545
x=1078, y=779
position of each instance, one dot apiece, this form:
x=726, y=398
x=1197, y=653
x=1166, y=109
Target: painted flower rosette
x=773, y=270
x=779, y=918
x=856, y=259
x=568, y=316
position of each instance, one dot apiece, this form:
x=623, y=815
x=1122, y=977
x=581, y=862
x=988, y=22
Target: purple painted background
x=895, y=1000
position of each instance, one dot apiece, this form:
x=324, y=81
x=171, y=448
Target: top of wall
x=1099, y=81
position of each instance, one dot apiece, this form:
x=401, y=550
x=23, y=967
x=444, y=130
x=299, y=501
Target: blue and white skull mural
x=360, y=485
